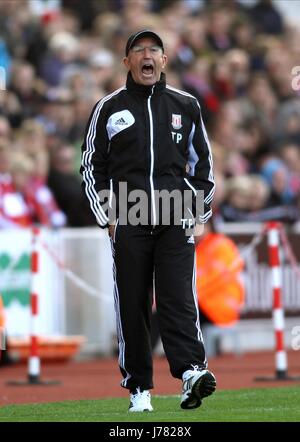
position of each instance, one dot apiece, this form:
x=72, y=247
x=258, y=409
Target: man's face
x=145, y=61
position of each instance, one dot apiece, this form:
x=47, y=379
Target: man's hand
x=198, y=232
x=111, y=230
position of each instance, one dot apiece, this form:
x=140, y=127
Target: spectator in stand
x=219, y=37
x=31, y=140
x=5, y=180
x=242, y=33
x=25, y=86
x=193, y=42
x=63, y=49
x=5, y=129
x=277, y=176
x=245, y=198
x=290, y=154
x=66, y=187
x=262, y=98
x=254, y=142
x=287, y=122
x=11, y=108
x=101, y=63
x=196, y=80
x=238, y=64
x=21, y=204
x=266, y=17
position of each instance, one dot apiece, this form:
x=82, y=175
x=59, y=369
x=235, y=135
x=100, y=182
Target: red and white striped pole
x=34, y=364
x=273, y=232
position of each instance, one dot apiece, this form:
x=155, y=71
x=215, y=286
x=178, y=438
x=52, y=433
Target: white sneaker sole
x=140, y=410
x=204, y=386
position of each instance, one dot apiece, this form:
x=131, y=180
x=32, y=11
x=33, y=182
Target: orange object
x=58, y=348
x=220, y=289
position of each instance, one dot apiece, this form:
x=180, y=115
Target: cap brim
x=144, y=34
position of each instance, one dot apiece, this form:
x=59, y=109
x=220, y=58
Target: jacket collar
x=140, y=89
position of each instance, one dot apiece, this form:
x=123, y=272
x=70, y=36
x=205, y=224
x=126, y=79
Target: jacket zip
x=111, y=189
x=152, y=159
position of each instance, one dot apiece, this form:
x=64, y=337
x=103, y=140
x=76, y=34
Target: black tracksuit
x=152, y=138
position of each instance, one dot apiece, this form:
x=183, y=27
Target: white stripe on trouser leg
x=121, y=340
x=118, y=320
x=199, y=333
x=281, y=361
x=117, y=311
x=278, y=319
x=276, y=277
x=34, y=366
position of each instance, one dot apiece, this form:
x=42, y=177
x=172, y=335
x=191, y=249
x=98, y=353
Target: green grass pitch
x=247, y=405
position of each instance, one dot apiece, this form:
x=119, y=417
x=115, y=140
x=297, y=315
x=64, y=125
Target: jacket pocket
x=191, y=187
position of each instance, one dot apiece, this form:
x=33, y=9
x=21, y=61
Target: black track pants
x=166, y=254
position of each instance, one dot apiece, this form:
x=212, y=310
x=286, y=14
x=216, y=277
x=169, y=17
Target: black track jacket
x=152, y=138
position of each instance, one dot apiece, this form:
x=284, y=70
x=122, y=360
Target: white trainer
x=196, y=385
x=140, y=401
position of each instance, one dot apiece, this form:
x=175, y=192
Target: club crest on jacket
x=176, y=121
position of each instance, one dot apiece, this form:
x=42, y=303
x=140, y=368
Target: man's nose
x=147, y=52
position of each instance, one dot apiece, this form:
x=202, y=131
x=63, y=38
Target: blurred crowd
x=61, y=56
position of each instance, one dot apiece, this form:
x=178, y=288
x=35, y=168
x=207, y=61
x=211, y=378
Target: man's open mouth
x=147, y=69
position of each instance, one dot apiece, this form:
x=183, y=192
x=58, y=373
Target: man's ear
x=126, y=62
x=165, y=61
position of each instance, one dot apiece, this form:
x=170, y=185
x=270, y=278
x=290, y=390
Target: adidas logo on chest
x=119, y=121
